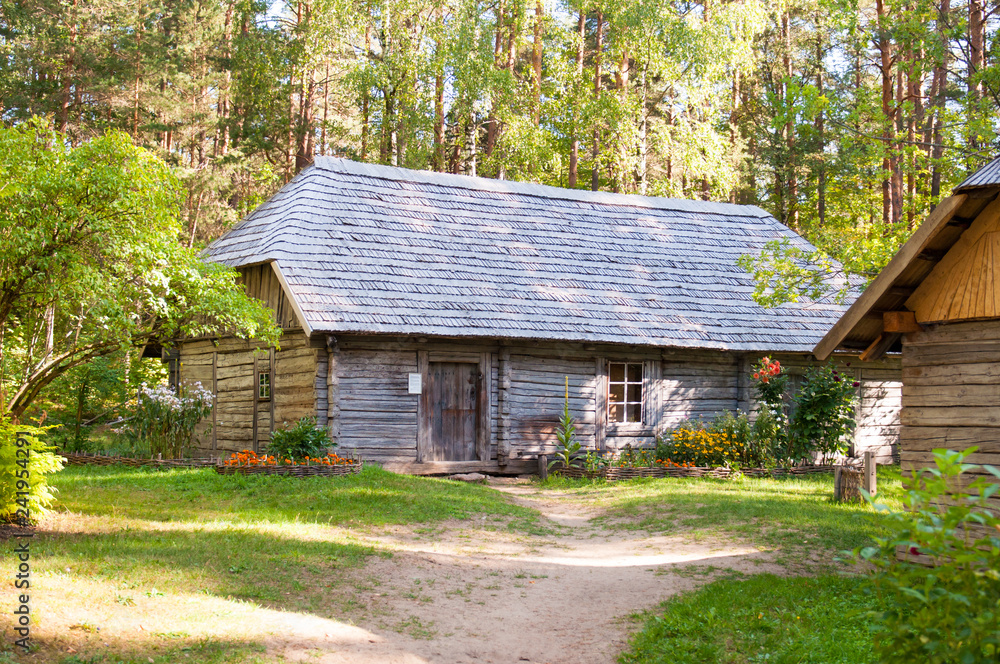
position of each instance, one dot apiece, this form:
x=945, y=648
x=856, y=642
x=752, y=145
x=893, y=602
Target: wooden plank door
x=451, y=417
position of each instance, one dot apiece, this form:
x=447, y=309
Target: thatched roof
x=376, y=249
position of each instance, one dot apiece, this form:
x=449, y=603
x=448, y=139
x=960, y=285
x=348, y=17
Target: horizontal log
x=957, y=416
x=401, y=444
x=240, y=370
x=234, y=359
x=296, y=365
x=245, y=383
x=926, y=438
x=289, y=396
x=926, y=458
x=976, y=373
x=973, y=331
x=957, y=394
x=949, y=354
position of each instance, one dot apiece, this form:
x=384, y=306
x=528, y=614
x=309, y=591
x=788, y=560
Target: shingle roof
x=987, y=176
x=376, y=249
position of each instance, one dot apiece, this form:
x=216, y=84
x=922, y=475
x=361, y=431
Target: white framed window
x=263, y=385
x=625, y=392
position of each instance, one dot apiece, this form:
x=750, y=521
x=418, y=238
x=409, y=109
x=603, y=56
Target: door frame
x=483, y=406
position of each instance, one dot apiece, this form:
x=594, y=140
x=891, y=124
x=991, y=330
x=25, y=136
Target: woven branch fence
x=316, y=470
x=614, y=474
x=87, y=459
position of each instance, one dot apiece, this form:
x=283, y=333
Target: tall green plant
x=567, y=446
x=823, y=419
x=944, y=607
x=23, y=468
x=771, y=384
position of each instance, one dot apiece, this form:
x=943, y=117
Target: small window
x=263, y=385
x=624, y=392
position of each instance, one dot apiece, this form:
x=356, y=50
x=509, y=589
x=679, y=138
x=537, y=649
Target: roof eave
x=936, y=221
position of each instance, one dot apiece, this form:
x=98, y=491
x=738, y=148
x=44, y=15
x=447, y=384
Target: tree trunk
x=595, y=173
x=536, y=62
x=939, y=92
x=574, y=149
x=889, y=214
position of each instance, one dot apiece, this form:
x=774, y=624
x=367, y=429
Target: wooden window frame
x=264, y=381
x=627, y=381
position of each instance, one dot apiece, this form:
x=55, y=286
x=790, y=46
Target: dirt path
x=456, y=594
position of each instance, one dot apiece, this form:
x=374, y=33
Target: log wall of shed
x=357, y=386
x=951, y=393
x=231, y=369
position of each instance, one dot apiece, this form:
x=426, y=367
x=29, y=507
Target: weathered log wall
x=231, y=369
x=357, y=387
x=951, y=392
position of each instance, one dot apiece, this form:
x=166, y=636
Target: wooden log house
x=431, y=320
x=938, y=302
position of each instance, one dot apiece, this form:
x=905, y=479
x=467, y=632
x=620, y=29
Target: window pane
x=634, y=373
x=616, y=412
x=616, y=372
x=635, y=392
x=616, y=392
x=634, y=412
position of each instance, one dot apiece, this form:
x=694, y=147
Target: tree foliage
x=90, y=263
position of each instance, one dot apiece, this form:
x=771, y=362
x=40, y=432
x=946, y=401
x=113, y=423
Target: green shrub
x=18, y=474
x=947, y=610
x=304, y=439
x=163, y=421
x=823, y=417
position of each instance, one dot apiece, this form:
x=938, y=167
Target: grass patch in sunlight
x=373, y=497
x=765, y=618
x=790, y=513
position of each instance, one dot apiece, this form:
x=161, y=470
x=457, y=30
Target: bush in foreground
x=943, y=604
x=23, y=468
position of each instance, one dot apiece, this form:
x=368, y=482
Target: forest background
x=845, y=119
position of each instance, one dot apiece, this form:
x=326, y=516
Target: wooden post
x=838, y=473
x=869, y=474
x=543, y=467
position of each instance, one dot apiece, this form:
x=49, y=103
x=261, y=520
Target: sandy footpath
x=458, y=595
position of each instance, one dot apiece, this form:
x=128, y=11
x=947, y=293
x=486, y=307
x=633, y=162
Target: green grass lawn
x=764, y=618
x=259, y=538
x=794, y=515
x=195, y=548
x=202, y=549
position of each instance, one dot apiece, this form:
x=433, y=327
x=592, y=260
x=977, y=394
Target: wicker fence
x=316, y=470
x=86, y=459
x=612, y=474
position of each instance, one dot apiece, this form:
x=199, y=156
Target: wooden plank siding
x=357, y=386
x=951, y=392
x=230, y=368
x=260, y=282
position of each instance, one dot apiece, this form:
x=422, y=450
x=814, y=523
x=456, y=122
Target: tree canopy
x=90, y=263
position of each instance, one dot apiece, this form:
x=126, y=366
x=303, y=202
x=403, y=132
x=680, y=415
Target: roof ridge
x=396, y=174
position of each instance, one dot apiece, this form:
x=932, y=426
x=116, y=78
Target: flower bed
x=291, y=471
x=247, y=462
x=614, y=473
